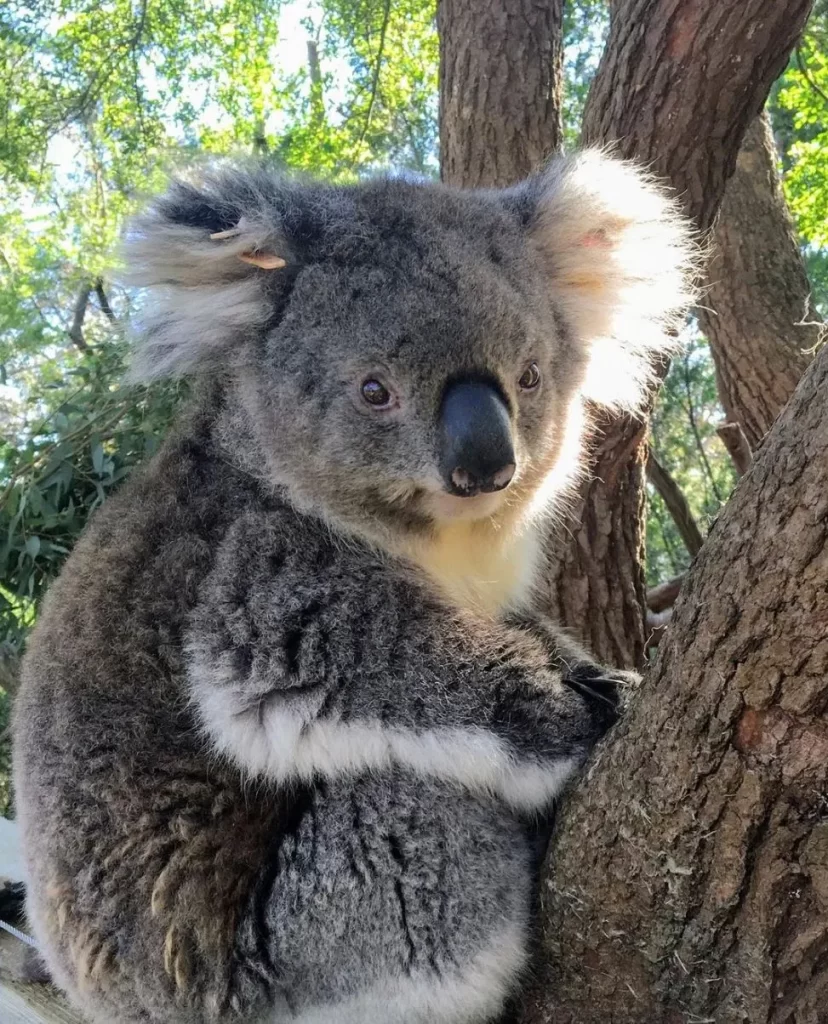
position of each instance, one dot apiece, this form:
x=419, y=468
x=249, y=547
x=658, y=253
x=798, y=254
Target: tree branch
x=765, y=328
x=733, y=438
x=75, y=331
x=663, y=596
x=691, y=415
x=676, y=503
x=315, y=75
x=386, y=17
x=103, y=301
x=688, y=867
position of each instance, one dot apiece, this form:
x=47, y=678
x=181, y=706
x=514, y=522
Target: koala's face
x=405, y=352
x=417, y=367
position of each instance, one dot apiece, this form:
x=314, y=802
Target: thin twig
x=800, y=62
x=657, y=623
x=386, y=17
x=88, y=97
x=13, y=275
x=691, y=415
x=40, y=458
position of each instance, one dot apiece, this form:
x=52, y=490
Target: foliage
x=585, y=27
x=90, y=438
x=381, y=90
x=799, y=111
x=684, y=440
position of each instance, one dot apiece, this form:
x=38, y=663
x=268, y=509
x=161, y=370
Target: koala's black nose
x=475, y=438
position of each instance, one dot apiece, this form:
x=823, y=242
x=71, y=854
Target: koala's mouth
x=442, y=506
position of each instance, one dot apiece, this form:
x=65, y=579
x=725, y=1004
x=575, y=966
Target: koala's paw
x=607, y=691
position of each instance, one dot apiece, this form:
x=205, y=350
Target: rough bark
x=688, y=878
x=501, y=74
x=595, y=581
x=678, y=85
x=758, y=315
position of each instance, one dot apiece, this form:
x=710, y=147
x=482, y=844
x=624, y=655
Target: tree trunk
x=688, y=878
x=760, y=322
x=678, y=85
x=500, y=88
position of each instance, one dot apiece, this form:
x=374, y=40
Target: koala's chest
x=482, y=570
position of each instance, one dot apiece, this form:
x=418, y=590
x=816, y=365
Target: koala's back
x=141, y=846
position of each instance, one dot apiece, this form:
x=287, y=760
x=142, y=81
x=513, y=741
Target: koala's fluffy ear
x=205, y=252
x=622, y=266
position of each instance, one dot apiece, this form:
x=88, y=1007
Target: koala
x=289, y=713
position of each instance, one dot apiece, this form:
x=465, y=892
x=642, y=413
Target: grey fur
x=271, y=765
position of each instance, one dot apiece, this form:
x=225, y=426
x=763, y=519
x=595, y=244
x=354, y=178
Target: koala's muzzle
x=476, y=450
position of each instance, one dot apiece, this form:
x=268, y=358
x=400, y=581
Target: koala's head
x=404, y=352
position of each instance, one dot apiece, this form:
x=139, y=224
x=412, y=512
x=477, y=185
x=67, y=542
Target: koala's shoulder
x=270, y=540
x=134, y=574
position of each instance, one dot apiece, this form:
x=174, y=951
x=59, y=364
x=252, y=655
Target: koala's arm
x=307, y=659
x=577, y=666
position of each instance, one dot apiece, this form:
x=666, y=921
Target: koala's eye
x=377, y=394
x=531, y=377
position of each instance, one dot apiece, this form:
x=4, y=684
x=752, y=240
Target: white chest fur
x=481, y=566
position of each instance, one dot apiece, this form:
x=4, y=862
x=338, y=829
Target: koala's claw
x=606, y=690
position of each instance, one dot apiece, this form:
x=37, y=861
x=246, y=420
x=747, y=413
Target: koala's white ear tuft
x=199, y=252
x=622, y=265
